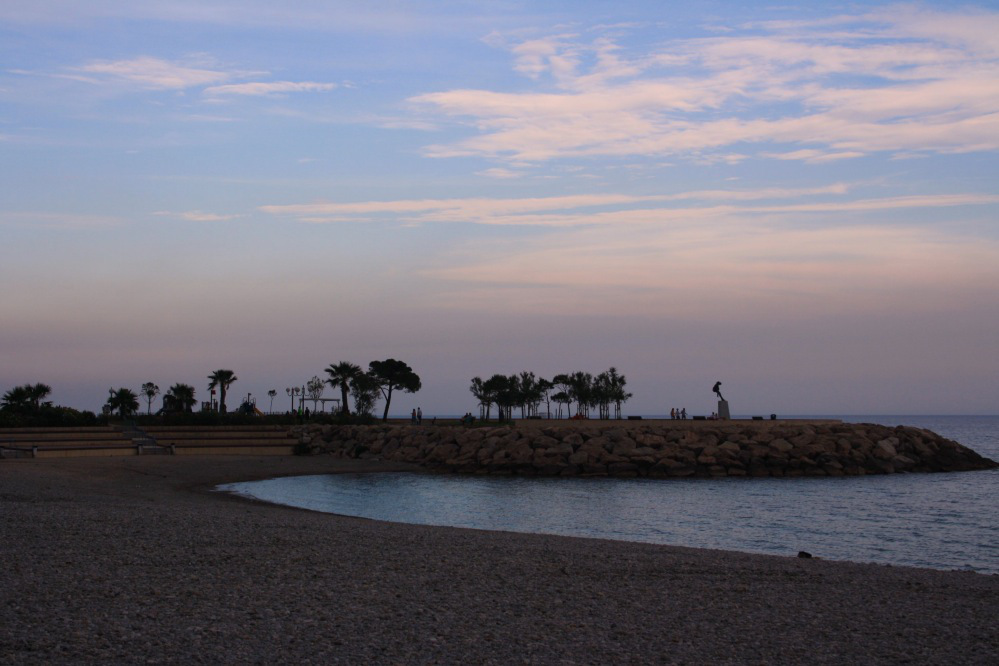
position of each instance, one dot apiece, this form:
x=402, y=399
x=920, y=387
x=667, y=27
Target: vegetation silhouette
x=340, y=376
x=527, y=392
x=222, y=379
x=124, y=401
x=150, y=390
x=26, y=405
x=392, y=375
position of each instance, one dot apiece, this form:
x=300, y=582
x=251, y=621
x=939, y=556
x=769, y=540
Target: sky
x=798, y=200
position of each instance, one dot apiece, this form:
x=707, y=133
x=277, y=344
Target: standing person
x=672, y=414
x=419, y=416
x=412, y=417
x=683, y=413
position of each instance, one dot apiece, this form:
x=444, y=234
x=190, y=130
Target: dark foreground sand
x=130, y=560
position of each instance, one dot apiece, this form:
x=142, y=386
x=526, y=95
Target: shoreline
x=135, y=559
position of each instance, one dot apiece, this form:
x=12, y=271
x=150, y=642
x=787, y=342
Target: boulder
x=781, y=445
x=885, y=450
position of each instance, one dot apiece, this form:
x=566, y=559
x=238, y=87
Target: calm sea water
x=943, y=521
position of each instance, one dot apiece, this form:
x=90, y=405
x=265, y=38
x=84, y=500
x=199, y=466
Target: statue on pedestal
x=717, y=390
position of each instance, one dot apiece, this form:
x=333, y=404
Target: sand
x=135, y=560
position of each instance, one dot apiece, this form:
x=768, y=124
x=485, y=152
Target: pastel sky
x=798, y=200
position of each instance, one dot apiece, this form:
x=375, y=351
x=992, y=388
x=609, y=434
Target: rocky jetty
x=661, y=450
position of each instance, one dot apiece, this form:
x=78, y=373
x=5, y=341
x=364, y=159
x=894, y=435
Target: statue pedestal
x=723, y=412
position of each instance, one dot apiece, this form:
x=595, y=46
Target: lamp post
x=292, y=392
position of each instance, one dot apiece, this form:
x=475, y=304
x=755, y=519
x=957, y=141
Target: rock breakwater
x=667, y=450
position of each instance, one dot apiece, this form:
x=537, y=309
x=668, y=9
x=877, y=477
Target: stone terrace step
x=153, y=429
x=213, y=434
x=56, y=434
x=204, y=440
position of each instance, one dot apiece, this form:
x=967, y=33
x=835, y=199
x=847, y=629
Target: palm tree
x=180, y=398
x=342, y=374
x=26, y=398
x=17, y=399
x=150, y=390
x=272, y=393
x=124, y=400
x=223, y=379
x=37, y=393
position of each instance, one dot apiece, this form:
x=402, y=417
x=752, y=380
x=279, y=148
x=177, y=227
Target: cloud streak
x=614, y=209
x=268, y=88
x=900, y=82
x=156, y=73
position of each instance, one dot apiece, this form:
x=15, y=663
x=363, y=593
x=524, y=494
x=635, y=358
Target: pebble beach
x=138, y=560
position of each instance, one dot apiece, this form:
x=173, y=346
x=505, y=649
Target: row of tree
x=380, y=381
x=27, y=406
x=527, y=392
x=26, y=398
x=604, y=392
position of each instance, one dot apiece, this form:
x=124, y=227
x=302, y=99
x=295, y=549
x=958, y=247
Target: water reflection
x=941, y=521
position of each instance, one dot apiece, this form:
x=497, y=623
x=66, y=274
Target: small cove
x=944, y=521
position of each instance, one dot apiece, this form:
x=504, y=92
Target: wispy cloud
x=499, y=172
x=196, y=216
x=908, y=80
x=157, y=73
x=813, y=156
x=268, y=88
x=614, y=209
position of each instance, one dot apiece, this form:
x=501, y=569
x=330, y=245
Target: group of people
x=677, y=414
x=416, y=418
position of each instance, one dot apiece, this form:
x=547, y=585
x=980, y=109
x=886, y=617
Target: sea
x=942, y=521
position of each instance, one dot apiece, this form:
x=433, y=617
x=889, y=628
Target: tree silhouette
x=527, y=392
x=180, y=398
x=392, y=375
x=615, y=390
x=483, y=394
x=272, y=393
x=125, y=401
x=316, y=386
x=150, y=390
x=563, y=393
x=581, y=390
x=504, y=391
x=26, y=398
x=223, y=379
x=365, y=390
x=341, y=375
x=545, y=387
x=562, y=398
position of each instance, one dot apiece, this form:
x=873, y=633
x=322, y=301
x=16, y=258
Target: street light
x=292, y=392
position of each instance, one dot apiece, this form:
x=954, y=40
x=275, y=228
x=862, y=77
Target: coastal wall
x=661, y=450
